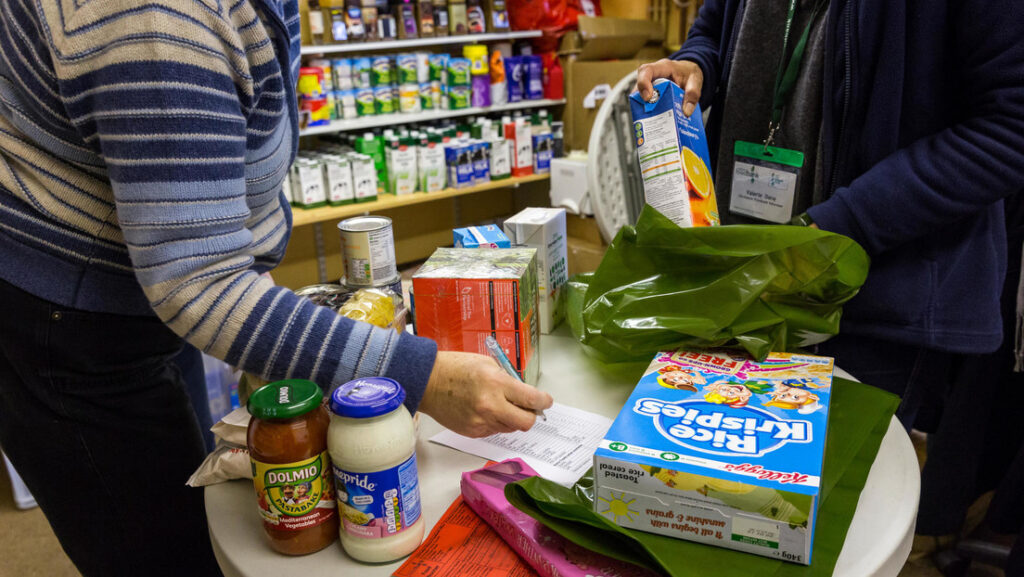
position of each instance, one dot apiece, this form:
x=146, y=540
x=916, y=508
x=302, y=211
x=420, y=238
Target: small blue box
x=488, y=236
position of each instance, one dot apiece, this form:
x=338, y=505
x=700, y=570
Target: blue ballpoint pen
x=498, y=354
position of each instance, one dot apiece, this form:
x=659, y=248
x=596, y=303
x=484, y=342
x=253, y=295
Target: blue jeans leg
x=94, y=415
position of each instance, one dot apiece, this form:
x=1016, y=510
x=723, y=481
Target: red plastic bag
x=553, y=17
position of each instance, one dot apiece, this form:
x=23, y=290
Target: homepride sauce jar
x=373, y=449
x=287, y=440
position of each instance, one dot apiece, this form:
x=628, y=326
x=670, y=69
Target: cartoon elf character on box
x=735, y=395
x=682, y=378
x=793, y=398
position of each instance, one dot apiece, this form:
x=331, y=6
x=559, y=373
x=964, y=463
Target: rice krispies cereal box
x=465, y=294
x=717, y=448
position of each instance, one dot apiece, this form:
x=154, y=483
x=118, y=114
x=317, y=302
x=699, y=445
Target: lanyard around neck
x=786, y=77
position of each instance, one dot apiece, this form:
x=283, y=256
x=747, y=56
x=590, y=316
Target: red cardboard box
x=464, y=295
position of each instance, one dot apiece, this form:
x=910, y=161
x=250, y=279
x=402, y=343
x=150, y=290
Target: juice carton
x=544, y=230
x=673, y=154
x=716, y=448
x=488, y=236
x=464, y=295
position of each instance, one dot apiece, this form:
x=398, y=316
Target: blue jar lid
x=367, y=397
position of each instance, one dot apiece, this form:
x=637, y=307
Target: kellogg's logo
x=722, y=430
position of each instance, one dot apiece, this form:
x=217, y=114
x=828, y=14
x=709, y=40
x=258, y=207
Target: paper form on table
x=561, y=448
x=461, y=543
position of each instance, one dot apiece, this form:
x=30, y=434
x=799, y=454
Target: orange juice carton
x=673, y=154
x=464, y=295
x=717, y=448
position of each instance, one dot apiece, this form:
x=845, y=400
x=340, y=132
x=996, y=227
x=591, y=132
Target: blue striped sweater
x=142, y=149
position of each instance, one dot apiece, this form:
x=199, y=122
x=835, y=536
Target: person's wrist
x=802, y=220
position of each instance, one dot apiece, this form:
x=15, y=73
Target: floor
x=29, y=548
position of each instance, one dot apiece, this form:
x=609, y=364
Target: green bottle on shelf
x=373, y=147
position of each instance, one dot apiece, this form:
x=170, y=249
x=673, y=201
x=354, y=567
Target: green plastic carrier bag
x=860, y=416
x=757, y=287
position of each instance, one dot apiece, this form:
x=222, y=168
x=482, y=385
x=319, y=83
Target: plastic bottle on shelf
x=555, y=87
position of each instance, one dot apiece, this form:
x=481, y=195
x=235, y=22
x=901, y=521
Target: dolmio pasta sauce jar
x=291, y=469
x=373, y=450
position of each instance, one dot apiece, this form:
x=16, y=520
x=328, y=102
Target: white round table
x=878, y=541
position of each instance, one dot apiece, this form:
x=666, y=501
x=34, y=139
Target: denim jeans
x=95, y=418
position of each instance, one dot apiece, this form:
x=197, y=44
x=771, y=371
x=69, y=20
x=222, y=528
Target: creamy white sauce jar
x=372, y=444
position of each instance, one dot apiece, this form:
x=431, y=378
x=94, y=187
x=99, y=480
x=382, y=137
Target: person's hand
x=471, y=395
x=685, y=73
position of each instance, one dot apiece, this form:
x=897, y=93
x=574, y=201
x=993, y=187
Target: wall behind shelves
x=419, y=229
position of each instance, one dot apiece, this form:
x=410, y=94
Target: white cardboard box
x=544, y=230
x=569, y=185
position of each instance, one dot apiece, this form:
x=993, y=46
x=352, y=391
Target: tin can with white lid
x=368, y=245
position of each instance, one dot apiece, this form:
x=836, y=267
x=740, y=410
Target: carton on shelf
x=488, y=236
x=716, y=448
x=673, y=153
x=464, y=295
x=544, y=230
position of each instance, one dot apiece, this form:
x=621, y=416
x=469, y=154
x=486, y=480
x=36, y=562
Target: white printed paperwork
x=561, y=448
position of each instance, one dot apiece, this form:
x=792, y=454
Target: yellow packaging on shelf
x=477, y=54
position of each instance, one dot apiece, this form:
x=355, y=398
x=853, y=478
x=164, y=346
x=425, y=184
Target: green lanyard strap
x=787, y=74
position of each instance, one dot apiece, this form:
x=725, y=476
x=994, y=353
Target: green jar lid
x=285, y=399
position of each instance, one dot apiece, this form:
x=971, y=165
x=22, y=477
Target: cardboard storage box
x=487, y=236
x=716, y=448
x=595, y=58
x=463, y=295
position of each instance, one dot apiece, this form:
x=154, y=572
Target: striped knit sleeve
x=188, y=108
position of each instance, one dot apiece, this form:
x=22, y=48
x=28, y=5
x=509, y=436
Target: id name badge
x=764, y=181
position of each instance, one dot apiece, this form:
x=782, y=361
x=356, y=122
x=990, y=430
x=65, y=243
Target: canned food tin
x=427, y=96
x=385, y=99
x=361, y=72
x=365, y=105
x=409, y=98
x=407, y=68
x=368, y=245
x=342, y=70
x=381, y=71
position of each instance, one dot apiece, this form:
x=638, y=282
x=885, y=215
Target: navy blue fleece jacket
x=923, y=137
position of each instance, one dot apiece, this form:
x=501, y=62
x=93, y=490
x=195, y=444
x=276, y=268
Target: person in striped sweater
x=142, y=148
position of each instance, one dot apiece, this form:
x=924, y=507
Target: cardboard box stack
x=463, y=295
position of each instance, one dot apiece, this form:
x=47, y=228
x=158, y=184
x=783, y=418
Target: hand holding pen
x=498, y=354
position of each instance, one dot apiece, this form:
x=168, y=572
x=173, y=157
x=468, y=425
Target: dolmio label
x=719, y=430
x=294, y=496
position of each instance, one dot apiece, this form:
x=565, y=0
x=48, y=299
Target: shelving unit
x=382, y=120
x=302, y=217
x=354, y=47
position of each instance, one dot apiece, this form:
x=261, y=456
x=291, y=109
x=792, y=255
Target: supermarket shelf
x=397, y=118
x=376, y=121
x=419, y=42
x=302, y=217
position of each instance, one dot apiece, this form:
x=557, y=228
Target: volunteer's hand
x=685, y=73
x=471, y=395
